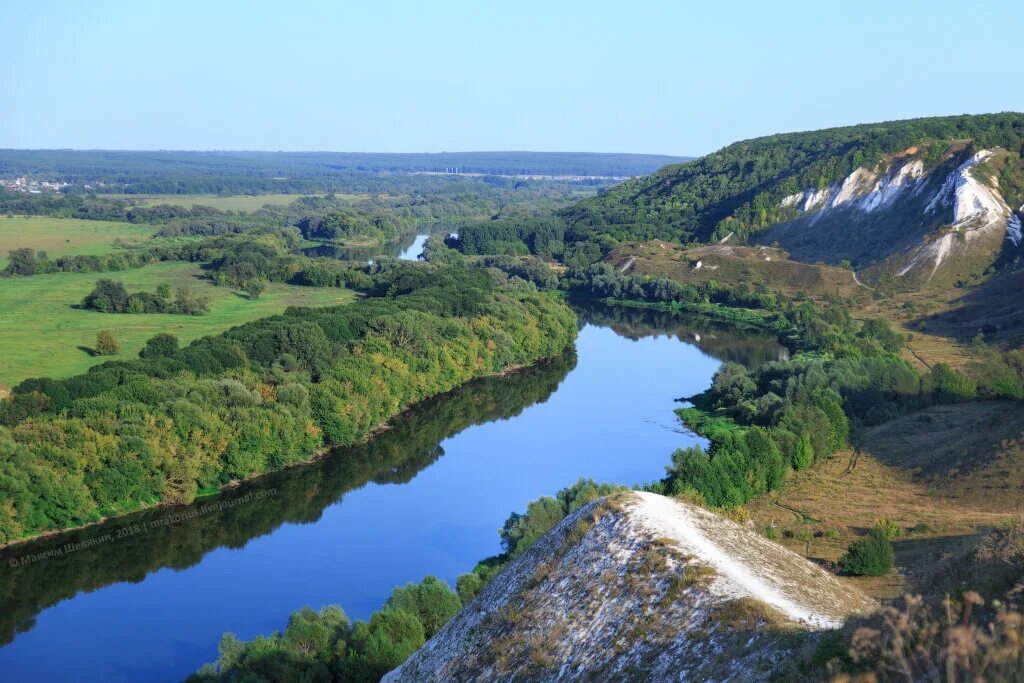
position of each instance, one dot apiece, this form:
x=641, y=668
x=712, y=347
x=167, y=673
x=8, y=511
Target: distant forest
x=241, y=172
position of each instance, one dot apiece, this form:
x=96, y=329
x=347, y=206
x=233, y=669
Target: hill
x=909, y=201
x=765, y=266
x=639, y=586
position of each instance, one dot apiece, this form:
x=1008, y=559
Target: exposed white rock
x=749, y=565
x=644, y=587
x=862, y=189
x=852, y=187
x=894, y=184
x=977, y=209
x=968, y=197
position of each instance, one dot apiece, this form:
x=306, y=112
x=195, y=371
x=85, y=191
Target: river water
x=147, y=597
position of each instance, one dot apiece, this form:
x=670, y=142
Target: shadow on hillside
x=992, y=308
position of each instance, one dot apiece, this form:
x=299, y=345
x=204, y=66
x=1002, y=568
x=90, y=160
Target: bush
x=871, y=556
x=106, y=344
x=161, y=345
x=889, y=527
x=431, y=601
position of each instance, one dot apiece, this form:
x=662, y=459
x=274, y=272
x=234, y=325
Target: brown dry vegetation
x=942, y=475
x=753, y=265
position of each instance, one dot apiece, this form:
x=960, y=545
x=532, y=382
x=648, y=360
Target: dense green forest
x=738, y=189
x=303, y=172
x=260, y=397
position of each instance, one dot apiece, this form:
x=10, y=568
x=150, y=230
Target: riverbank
x=315, y=455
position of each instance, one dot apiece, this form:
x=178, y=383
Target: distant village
x=31, y=186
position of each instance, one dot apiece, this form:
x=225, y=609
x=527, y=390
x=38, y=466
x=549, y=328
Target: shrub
x=431, y=601
x=106, y=344
x=889, y=527
x=254, y=288
x=161, y=345
x=871, y=556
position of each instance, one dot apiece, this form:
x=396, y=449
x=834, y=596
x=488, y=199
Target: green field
x=64, y=236
x=42, y=335
x=235, y=202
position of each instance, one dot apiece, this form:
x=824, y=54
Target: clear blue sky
x=668, y=77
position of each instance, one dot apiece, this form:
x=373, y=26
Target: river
x=147, y=597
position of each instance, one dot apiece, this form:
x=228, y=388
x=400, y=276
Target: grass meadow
x=43, y=334
x=65, y=236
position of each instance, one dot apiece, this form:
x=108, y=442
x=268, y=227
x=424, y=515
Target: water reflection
x=729, y=343
x=298, y=495
x=407, y=248
x=145, y=599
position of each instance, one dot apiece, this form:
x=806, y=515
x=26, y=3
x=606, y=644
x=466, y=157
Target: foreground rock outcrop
x=639, y=586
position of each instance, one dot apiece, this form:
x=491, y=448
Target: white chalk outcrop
x=965, y=207
x=639, y=586
x=862, y=189
x=978, y=212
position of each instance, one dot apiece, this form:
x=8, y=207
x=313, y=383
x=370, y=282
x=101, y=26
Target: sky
x=673, y=77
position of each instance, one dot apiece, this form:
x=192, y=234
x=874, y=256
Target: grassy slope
x=734, y=265
x=955, y=468
x=64, y=236
x=44, y=336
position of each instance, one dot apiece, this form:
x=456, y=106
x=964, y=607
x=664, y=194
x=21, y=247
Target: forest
x=307, y=172
x=179, y=422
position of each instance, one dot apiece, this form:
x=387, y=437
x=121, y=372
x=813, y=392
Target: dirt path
x=857, y=280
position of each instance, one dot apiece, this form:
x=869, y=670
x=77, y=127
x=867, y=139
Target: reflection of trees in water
x=391, y=249
x=725, y=341
x=298, y=495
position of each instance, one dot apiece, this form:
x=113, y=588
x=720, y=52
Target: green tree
x=468, y=585
x=254, y=288
x=159, y=346
x=106, y=343
x=394, y=634
x=871, y=556
x=431, y=600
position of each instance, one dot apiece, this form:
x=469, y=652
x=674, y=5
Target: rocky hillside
x=639, y=585
x=910, y=202
x=904, y=224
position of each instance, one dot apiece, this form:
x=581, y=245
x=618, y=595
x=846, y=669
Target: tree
x=106, y=344
x=871, y=556
x=393, y=636
x=108, y=296
x=22, y=262
x=163, y=290
x=432, y=601
x=159, y=346
x=254, y=288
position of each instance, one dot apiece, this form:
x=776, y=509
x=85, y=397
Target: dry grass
x=970, y=452
x=820, y=511
x=911, y=642
x=753, y=265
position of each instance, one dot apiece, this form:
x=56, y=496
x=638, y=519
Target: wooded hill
x=739, y=189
